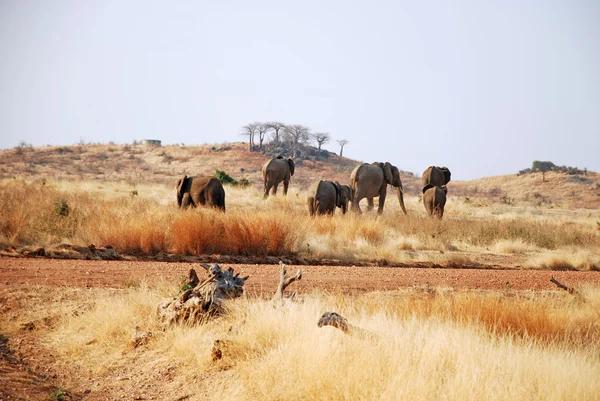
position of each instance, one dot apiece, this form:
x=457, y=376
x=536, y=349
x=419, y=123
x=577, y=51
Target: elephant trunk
x=401, y=199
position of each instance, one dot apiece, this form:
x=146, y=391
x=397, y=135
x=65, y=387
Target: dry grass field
x=65, y=342
x=48, y=213
x=426, y=345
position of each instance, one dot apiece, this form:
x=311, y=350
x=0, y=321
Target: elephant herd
x=366, y=181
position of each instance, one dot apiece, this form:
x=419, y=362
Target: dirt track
x=347, y=279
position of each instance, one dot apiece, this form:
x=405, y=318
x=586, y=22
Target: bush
x=225, y=178
x=244, y=182
x=61, y=208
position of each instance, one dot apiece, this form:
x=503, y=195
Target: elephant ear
x=291, y=163
x=446, y=174
x=426, y=187
x=181, y=184
x=338, y=193
x=387, y=172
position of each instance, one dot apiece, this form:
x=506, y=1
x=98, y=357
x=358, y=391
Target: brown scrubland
x=423, y=343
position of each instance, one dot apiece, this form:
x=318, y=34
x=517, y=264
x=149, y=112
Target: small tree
x=249, y=130
x=321, y=138
x=276, y=126
x=542, y=166
x=342, y=142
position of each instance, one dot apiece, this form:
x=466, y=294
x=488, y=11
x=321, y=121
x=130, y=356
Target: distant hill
x=165, y=164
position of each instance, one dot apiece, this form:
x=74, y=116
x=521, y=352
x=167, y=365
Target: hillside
x=165, y=164
x=134, y=164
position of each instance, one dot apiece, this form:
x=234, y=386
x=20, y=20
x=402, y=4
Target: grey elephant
x=435, y=176
x=327, y=196
x=371, y=180
x=434, y=199
x=200, y=191
x=275, y=171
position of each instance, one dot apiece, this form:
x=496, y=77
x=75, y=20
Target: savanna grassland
x=417, y=343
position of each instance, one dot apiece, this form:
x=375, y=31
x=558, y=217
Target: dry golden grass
x=108, y=214
x=428, y=344
x=568, y=259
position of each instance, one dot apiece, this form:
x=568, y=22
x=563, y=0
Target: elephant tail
x=311, y=205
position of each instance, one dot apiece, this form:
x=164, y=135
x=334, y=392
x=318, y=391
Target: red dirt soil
x=264, y=278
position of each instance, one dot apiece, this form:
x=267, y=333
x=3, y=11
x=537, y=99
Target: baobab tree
x=321, y=138
x=276, y=126
x=261, y=129
x=297, y=134
x=342, y=142
x=249, y=130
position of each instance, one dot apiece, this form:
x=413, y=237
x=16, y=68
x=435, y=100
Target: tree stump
x=204, y=300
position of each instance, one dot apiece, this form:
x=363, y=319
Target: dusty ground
x=29, y=371
x=263, y=278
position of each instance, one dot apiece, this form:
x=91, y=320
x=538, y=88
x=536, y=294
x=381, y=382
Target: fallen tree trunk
x=202, y=300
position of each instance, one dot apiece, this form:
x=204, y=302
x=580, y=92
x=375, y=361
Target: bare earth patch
x=345, y=279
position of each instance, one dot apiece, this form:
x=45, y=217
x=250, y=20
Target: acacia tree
x=249, y=130
x=542, y=166
x=342, y=142
x=276, y=126
x=321, y=138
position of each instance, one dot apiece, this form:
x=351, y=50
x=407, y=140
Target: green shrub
x=225, y=178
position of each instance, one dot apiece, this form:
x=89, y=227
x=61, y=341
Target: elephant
x=436, y=176
x=196, y=191
x=277, y=170
x=434, y=199
x=371, y=180
x=327, y=196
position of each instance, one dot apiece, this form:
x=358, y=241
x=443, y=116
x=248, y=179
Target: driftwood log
x=202, y=300
x=284, y=282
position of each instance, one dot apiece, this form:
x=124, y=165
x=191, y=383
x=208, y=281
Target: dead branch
x=570, y=290
x=284, y=281
x=204, y=300
x=338, y=321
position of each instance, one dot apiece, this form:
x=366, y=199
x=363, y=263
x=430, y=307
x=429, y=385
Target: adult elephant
x=435, y=176
x=434, y=199
x=371, y=180
x=277, y=170
x=200, y=191
x=327, y=196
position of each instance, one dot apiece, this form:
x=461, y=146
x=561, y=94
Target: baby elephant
x=327, y=196
x=200, y=191
x=434, y=199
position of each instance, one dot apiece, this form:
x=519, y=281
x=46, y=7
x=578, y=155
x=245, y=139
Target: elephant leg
x=370, y=204
x=381, y=202
x=286, y=184
x=185, y=201
x=275, y=189
x=356, y=204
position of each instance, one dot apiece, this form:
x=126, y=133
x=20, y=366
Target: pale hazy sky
x=484, y=87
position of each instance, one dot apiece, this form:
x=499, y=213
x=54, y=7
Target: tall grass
x=421, y=345
x=35, y=213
